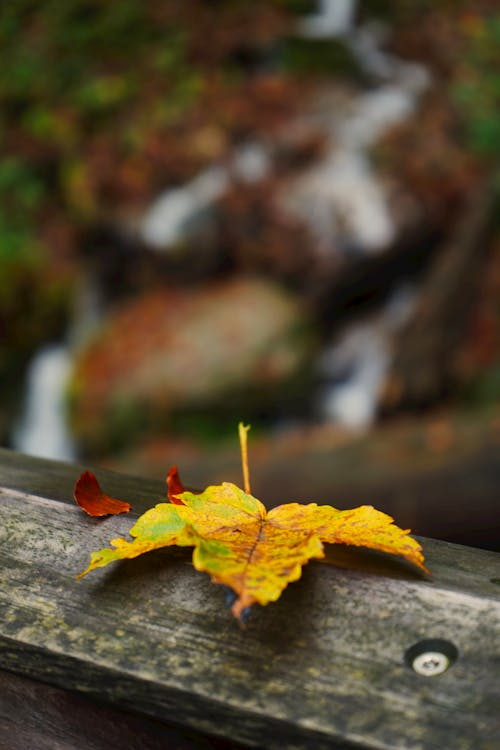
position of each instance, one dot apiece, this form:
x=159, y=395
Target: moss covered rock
x=212, y=351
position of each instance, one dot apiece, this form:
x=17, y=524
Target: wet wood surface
x=325, y=667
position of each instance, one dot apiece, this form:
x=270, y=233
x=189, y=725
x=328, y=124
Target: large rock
x=228, y=346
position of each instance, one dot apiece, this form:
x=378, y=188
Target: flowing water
x=342, y=201
x=346, y=205
x=42, y=429
x=333, y=18
x=355, y=366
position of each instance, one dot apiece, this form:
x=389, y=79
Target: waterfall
x=168, y=220
x=345, y=205
x=42, y=429
x=354, y=367
x=174, y=214
x=333, y=18
x=340, y=199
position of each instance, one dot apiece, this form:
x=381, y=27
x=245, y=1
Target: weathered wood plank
x=322, y=668
x=451, y=497
x=35, y=716
x=55, y=480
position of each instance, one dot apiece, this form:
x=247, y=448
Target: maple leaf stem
x=242, y=432
x=239, y=543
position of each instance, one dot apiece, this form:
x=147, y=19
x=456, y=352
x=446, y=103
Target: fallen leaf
x=174, y=486
x=89, y=496
x=255, y=552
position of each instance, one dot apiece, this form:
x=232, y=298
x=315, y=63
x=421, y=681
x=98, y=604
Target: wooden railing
x=146, y=655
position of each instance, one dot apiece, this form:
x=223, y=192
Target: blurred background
x=277, y=211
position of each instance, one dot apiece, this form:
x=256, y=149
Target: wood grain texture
x=36, y=716
x=56, y=479
x=322, y=668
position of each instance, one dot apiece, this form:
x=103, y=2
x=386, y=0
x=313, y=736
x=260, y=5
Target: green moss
x=406, y=11
x=319, y=57
x=484, y=390
x=477, y=89
x=33, y=306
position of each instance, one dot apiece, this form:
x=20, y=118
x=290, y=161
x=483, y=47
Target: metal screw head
x=431, y=656
x=430, y=663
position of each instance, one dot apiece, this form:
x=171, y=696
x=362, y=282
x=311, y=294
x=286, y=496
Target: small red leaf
x=89, y=496
x=174, y=486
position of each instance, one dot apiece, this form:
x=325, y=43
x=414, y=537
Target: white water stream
x=42, y=430
x=341, y=198
x=333, y=18
x=354, y=367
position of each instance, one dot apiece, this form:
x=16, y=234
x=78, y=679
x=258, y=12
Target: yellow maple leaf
x=255, y=552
